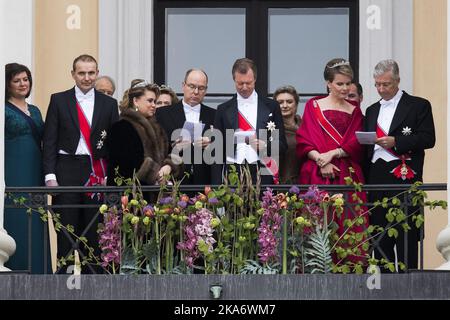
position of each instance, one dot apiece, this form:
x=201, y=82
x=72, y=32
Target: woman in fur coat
x=136, y=142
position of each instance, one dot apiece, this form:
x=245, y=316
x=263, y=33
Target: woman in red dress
x=326, y=143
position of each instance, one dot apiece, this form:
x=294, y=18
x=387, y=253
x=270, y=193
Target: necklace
x=23, y=109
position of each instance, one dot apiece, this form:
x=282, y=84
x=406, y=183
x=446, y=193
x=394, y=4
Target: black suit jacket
x=62, y=130
x=414, y=113
x=227, y=118
x=172, y=118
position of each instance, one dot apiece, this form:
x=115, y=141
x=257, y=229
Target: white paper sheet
x=366, y=137
x=192, y=131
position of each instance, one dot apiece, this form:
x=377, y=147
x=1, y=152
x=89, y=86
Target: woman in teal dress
x=23, y=166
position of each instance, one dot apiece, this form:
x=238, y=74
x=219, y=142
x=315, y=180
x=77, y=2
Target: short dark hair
x=84, y=58
x=287, y=89
x=243, y=65
x=163, y=89
x=11, y=70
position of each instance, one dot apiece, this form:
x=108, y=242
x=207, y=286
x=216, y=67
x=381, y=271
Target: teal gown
x=23, y=168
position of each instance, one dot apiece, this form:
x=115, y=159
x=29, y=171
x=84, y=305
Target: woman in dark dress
x=288, y=99
x=23, y=165
x=137, y=143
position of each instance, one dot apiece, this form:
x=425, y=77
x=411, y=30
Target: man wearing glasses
x=190, y=110
x=404, y=128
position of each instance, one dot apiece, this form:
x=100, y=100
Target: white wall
x=386, y=32
x=126, y=41
x=16, y=45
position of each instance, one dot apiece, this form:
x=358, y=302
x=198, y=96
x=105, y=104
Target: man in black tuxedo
x=73, y=151
x=191, y=109
x=247, y=111
x=405, y=128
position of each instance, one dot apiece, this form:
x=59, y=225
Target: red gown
x=310, y=136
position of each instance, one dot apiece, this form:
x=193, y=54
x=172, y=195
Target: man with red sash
x=249, y=116
x=73, y=148
x=405, y=128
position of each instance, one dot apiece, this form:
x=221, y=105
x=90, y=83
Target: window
x=290, y=41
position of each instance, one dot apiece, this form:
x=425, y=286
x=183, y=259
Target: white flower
x=406, y=131
x=271, y=126
x=100, y=144
x=103, y=134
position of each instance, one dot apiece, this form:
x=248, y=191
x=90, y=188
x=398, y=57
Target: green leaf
x=419, y=221
x=390, y=216
x=319, y=252
x=392, y=233
x=396, y=201
x=406, y=227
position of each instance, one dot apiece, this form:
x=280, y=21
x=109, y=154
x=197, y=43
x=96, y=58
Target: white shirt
x=192, y=113
x=248, y=107
x=387, y=111
x=86, y=102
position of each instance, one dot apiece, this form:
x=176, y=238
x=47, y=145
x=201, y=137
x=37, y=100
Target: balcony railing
x=37, y=197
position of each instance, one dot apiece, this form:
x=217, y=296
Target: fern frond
x=319, y=252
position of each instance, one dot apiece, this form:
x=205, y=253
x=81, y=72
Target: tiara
x=339, y=64
x=163, y=86
x=140, y=84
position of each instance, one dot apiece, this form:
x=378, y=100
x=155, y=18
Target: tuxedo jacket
x=413, y=129
x=62, y=130
x=172, y=118
x=227, y=118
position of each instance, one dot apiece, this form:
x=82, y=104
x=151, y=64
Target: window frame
x=256, y=48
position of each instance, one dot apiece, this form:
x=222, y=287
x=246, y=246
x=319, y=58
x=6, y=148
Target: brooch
x=102, y=139
x=406, y=131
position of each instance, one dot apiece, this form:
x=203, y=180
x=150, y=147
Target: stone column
x=443, y=240
x=16, y=17
x=126, y=41
x=385, y=32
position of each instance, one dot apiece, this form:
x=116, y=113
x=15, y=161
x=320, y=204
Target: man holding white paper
x=185, y=123
x=404, y=128
x=250, y=117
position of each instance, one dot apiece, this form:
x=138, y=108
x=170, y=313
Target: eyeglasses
x=193, y=87
x=383, y=84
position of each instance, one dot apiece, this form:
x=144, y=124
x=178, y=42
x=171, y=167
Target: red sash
x=326, y=125
x=269, y=162
x=97, y=176
x=402, y=171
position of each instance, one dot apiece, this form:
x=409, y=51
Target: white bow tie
x=385, y=103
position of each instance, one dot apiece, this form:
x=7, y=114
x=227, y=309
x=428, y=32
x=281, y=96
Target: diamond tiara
x=140, y=84
x=339, y=64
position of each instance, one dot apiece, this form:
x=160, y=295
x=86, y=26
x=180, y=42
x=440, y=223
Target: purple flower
x=182, y=204
x=213, y=201
x=269, y=227
x=294, y=189
x=166, y=200
x=197, y=227
x=110, y=239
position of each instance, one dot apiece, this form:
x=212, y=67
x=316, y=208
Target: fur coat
x=138, y=144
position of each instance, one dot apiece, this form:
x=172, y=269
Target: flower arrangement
x=239, y=228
